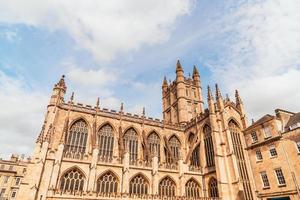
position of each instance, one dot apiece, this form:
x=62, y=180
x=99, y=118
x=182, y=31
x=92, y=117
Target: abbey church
x=86, y=152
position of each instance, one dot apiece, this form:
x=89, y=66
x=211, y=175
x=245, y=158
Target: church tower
x=182, y=98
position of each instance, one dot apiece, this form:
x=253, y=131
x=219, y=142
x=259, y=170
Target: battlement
x=79, y=107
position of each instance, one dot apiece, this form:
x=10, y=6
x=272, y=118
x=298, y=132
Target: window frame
x=267, y=134
x=254, y=134
x=272, y=147
x=281, y=177
x=12, y=192
x=256, y=153
x=266, y=179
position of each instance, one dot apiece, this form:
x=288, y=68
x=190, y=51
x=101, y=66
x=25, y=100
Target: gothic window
x=154, y=144
x=213, y=188
x=138, y=185
x=175, y=149
x=76, y=140
x=209, y=146
x=195, y=158
x=106, y=141
x=167, y=187
x=192, y=189
x=107, y=183
x=239, y=153
x=131, y=142
x=72, y=181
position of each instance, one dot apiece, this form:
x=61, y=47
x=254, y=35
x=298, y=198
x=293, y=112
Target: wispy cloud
x=260, y=53
x=22, y=112
x=103, y=27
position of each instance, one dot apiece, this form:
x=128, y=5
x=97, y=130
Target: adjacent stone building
x=273, y=143
x=89, y=152
x=12, y=172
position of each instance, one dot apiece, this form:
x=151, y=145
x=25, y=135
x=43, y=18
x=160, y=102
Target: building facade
x=12, y=172
x=273, y=143
x=89, y=152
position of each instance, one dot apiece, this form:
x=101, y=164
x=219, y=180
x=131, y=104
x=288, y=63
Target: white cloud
x=22, y=113
x=261, y=56
x=103, y=27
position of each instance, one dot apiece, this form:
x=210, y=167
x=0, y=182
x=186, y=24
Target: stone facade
x=89, y=152
x=11, y=174
x=274, y=151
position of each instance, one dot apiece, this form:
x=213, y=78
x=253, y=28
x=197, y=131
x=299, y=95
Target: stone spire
x=59, y=91
x=210, y=101
x=238, y=98
x=72, y=97
x=219, y=99
x=61, y=83
x=178, y=67
x=195, y=72
x=165, y=82
x=144, y=111
x=98, y=103
x=240, y=107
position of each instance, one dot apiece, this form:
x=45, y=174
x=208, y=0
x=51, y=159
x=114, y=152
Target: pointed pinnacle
x=237, y=97
x=144, y=111
x=209, y=95
x=195, y=71
x=165, y=82
x=98, y=102
x=72, y=97
x=122, y=107
x=218, y=92
x=178, y=66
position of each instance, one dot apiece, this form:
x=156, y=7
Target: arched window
x=154, y=144
x=138, y=185
x=131, y=142
x=175, y=149
x=167, y=187
x=72, y=181
x=107, y=183
x=209, y=146
x=238, y=150
x=106, y=142
x=76, y=140
x=192, y=189
x=213, y=188
x=195, y=158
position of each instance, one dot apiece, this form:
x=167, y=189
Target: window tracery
x=76, y=140
x=154, y=144
x=107, y=183
x=138, y=185
x=195, y=158
x=167, y=187
x=131, y=142
x=106, y=142
x=72, y=181
x=213, y=188
x=174, y=144
x=209, y=146
x=192, y=189
x=239, y=153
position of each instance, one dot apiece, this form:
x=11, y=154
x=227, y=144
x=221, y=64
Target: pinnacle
x=218, y=92
x=209, y=95
x=165, y=82
x=178, y=66
x=195, y=71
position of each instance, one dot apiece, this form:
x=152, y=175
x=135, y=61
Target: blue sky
x=120, y=51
